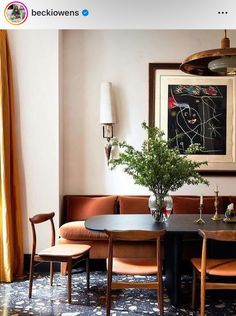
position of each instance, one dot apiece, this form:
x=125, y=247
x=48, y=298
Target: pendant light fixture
x=213, y=62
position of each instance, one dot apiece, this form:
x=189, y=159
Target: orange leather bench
x=77, y=208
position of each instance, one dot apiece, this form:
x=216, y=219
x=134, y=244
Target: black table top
x=177, y=223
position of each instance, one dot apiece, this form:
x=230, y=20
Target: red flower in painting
x=171, y=103
x=210, y=91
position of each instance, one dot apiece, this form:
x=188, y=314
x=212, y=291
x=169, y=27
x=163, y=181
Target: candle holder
x=216, y=216
x=200, y=220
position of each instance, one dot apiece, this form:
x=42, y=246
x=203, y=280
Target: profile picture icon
x=16, y=13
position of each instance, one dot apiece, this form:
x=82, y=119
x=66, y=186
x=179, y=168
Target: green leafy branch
x=157, y=166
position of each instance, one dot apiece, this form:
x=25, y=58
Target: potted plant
x=158, y=167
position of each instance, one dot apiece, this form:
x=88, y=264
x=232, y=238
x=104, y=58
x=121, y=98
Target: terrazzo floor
x=48, y=300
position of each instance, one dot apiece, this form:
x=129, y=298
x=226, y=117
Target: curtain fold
x=11, y=235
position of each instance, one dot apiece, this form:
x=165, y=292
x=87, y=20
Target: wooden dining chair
x=205, y=267
x=56, y=253
x=134, y=235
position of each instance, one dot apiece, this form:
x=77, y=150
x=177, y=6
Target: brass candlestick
x=200, y=220
x=216, y=216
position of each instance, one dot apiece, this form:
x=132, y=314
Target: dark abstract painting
x=197, y=114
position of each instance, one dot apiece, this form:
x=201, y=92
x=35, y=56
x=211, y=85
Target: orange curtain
x=11, y=241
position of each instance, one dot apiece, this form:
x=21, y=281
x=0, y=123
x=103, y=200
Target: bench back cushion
x=79, y=208
x=133, y=204
x=190, y=205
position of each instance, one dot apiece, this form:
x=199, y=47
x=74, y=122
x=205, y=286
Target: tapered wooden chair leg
x=160, y=295
x=203, y=297
x=108, y=297
x=109, y=279
x=88, y=273
x=194, y=289
x=51, y=272
x=63, y=268
x=69, y=281
x=159, y=280
x=31, y=276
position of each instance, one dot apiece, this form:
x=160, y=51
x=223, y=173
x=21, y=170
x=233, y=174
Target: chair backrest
x=218, y=235
x=38, y=219
x=221, y=235
x=134, y=235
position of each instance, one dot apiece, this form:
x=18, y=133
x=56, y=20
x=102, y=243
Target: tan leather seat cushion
x=221, y=267
x=77, y=231
x=190, y=205
x=134, y=266
x=99, y=248
x=79, y=208
x=64, y=250
x=133, y=205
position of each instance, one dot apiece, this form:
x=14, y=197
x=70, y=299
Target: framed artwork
x=197, y=110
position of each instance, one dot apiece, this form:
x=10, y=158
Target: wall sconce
x=107, y=115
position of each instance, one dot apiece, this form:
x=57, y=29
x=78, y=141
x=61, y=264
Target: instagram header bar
x=118, y=14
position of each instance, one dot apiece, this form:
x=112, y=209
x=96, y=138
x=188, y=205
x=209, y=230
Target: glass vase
x=160, y=207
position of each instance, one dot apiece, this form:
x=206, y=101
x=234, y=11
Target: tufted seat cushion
x=77, y=231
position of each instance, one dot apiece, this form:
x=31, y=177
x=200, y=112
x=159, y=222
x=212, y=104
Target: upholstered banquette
x=77, y=208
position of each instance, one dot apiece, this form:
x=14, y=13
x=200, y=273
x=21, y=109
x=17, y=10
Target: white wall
x=35, y=65
x=61, y=153
x=121, y=57
x=88, y=57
